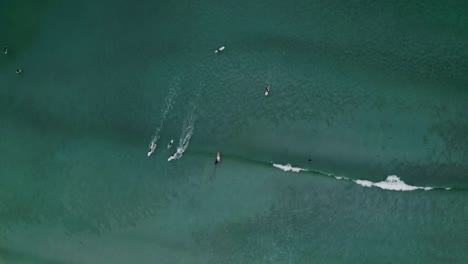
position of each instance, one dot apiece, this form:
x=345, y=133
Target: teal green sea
x=358, y=154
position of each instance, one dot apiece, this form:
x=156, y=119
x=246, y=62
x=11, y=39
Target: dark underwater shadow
x=12, y=256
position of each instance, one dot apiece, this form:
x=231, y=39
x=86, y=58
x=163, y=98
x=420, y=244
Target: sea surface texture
x=359, y=154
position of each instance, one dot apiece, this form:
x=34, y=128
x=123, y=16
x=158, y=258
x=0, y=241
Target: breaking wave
x=288, y=167
x=391, y=183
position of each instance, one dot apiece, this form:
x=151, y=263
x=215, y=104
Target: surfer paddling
x=170, y=144
x=176, y=155
x=267, y=89
x=218, y=158
x=151, y=149
x=219, y=50
x=5, y=50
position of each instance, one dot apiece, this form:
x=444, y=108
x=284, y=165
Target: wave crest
x=288, y=167
x=391, y=183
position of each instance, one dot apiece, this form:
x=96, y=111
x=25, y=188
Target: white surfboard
x=152, y=147
x=220, y=49
x=170, y=144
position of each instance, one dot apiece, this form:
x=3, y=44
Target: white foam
x=152, y=147
x=364, y=183
x=288, y=167
x=169, y=103
x=187, y=132
x=176, y=155
x=391, y=183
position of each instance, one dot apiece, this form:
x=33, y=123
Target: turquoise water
x=361, y=90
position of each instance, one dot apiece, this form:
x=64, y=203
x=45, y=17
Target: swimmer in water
x=170, y=144
x=5, y=50
x=18, y=71
x=218, y=158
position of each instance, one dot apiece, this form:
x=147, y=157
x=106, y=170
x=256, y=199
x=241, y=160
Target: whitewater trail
x=187, y=132
x=169, y=102
x=391, y=183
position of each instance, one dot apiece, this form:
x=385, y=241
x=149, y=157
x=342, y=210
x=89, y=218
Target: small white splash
x=392, y=183
x=288, y=167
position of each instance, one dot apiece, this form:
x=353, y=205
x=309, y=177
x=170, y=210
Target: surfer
x=152, y=147
x=267, y=89
x=170, y=144
x=173, y=156
x=218, y=158
x=5, y=50
x=218, y=50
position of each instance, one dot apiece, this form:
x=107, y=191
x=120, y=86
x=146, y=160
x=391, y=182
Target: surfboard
x=170, y=144
x=152, y=148
x=220, y=49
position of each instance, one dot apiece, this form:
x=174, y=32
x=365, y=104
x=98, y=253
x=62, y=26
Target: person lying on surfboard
x=218, y=158
x=170, y=144
x=218, y=50
x=151, y=149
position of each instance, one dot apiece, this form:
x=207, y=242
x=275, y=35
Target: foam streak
x=187, y=132
x=168, y=105
x=391, y=183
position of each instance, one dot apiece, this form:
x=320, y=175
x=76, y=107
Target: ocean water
x=358, y=155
